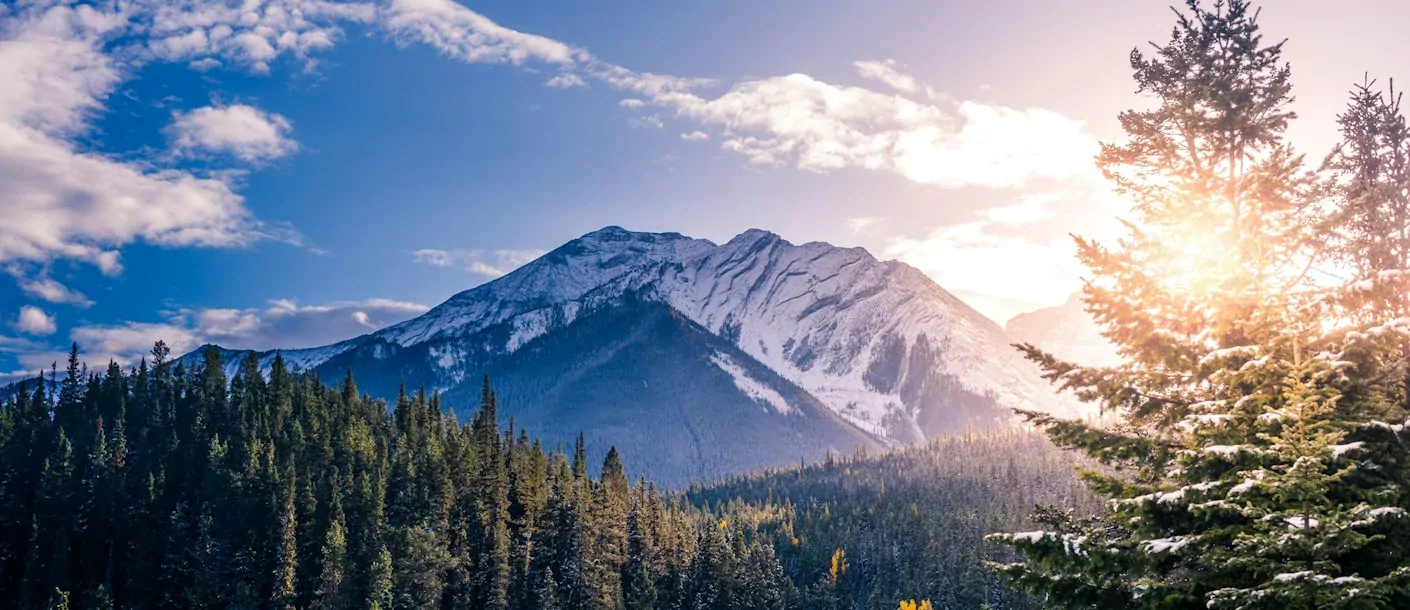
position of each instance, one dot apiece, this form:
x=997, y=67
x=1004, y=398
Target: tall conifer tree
x=1243, y=461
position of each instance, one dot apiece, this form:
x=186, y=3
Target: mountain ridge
x=876, y=342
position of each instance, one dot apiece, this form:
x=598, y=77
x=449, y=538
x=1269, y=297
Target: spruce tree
x=1243, y=466
x=286, y=552
x=380, y=590
x=546, y=591
x=332, y=592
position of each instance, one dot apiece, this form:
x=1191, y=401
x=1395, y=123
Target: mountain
x=706, y=358
x=1066, y=331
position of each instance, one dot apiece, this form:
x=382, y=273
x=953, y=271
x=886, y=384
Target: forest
x=168, y=487
x=1251, y=451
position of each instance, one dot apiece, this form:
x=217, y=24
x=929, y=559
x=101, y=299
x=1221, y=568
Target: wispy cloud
x=59, y=64
x=469, y=36
x=651, y=121
x=887, y=72
x=861, y=223
x=284, y=324
x=38, y=284
x=797, y=119
x=800, y=121
x=566, y=80
x=490, y=263
x=1005, y=262
x=999, y=275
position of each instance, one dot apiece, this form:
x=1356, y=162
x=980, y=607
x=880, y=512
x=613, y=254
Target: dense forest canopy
x=169, y=487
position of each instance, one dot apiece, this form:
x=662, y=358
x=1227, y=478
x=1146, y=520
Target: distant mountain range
x=701, y=359
x=1067, y=331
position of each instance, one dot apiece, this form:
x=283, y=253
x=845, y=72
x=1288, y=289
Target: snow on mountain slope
x=750, y=386
x=876, y=341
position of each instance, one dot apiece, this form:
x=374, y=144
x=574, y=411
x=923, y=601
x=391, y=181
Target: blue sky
x=290, y=173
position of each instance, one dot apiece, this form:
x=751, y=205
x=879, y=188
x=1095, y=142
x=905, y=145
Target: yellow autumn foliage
x=838, y=567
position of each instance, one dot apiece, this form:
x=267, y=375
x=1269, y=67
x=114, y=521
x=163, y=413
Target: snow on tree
x=1249, y=462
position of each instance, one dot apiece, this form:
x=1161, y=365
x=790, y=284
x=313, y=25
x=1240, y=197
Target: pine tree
x=640, y=591
x=332, y=592
x=1369, y=175
x=417, y=569
x=46, y=566
x=638, y=588
x=546, y=592
x=493, y=492
x=1239, y=476
x=286, y=552
x=380, y=586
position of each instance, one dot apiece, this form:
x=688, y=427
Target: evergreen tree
x=250, y=493
x=1244, y=456
x=286, y=562
x=546, y=592
x=332, y=590
x=380, y=588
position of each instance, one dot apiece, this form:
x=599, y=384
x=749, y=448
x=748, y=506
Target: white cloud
x=1030, y=208
x=245, y=132
x=566, y=80
x=492, y=263
x=283, y=325
x=59, y=64
x=886, y=72
x=249, y=34
x=861, y=223
x=660, y=89
x=647, y=122
x=817, y=126
x=205, y=65
x=62, y=202
x=124, y=343
x=35, y=321
x=1006, y=262
x=998, y=147
x=469, y=36
x=1001, y=276
x=286, y=324
x=695, y=136
x=796, y=119
x=41, y=286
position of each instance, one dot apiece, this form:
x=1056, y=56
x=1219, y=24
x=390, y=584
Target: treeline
x=910, y=524
x=167, y=487
x=174, y=487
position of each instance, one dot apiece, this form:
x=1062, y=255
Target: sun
x=1192, y=262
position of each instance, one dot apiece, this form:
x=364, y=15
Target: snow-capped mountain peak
x=877, y=342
